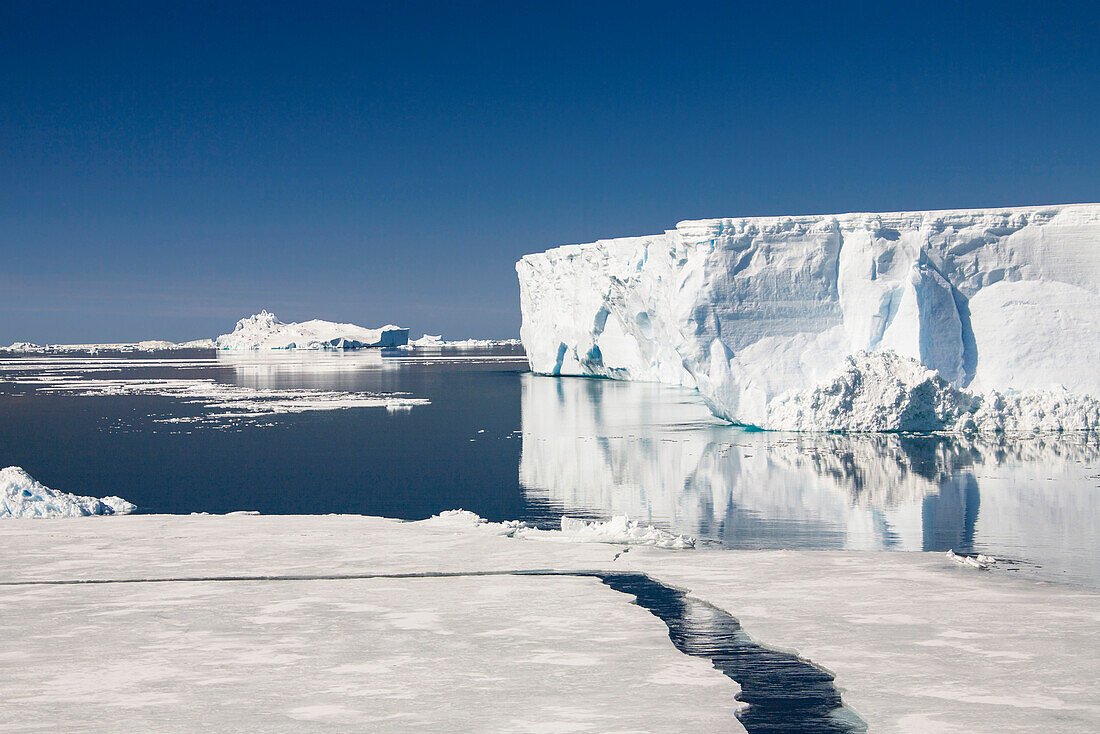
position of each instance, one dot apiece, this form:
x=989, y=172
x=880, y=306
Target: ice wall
x=755, y=309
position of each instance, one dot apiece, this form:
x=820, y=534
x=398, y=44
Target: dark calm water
x=510, y=445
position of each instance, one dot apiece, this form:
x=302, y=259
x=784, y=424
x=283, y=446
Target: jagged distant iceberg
x=771, y=318
x=22, y=496
x=265, y=331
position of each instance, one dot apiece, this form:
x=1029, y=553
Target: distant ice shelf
x=151, y=345
x=265, y=331
x=22, y=496
x=964, y=320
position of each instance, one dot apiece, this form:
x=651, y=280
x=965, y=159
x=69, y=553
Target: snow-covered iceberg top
x=759, y=313
x=22, y=496
x=265, y=331
x=619, y=530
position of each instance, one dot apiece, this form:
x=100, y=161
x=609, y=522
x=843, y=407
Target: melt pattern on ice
x=834, y=322
x=22, y=496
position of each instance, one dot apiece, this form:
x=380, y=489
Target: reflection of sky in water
x=654, y=452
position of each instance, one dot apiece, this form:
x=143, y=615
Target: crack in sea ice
x=784, y=693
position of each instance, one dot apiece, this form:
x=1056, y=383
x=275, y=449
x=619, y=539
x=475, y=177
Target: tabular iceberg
x=265, y=331
x=770, y=316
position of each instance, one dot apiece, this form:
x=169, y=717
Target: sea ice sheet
x=917, y=643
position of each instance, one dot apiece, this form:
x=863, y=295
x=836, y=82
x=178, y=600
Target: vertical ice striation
x=755, y=310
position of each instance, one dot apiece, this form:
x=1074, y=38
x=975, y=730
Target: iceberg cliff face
x=265, y=331
x=760, y=312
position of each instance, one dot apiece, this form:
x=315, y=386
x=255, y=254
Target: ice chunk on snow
x=265, y=331
x=751, y=309
x=619, y=530
x=981, y=561
x=22, y=496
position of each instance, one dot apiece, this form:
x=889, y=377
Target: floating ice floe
x=265, y=331
x=223, y=402
x=761, y=313
x=619, y=530
x=22, y=496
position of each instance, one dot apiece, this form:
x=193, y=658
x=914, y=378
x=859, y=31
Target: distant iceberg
x=985, y=319
x=22, y=496
x=436, y=341
x=265, y=331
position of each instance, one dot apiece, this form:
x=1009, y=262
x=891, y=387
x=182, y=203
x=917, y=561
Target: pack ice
x=942, y=320
x=265, y=331
x=22, y=496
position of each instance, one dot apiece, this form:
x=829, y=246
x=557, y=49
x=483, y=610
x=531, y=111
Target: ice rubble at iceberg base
x=265, y=331
x=22, y=496
x=947, y=320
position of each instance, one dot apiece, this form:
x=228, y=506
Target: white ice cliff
x=763, y=314
x=22, y=496
x=265, y=331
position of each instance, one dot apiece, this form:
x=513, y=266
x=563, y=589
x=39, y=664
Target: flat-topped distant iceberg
x=265, y=331
x=22, y=496
x=436, y=341
x=942, y=320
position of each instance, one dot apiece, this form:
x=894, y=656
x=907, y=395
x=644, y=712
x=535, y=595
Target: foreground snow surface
x=265, y=331
x=762, y=315
x=918, y=643
x=23, y=496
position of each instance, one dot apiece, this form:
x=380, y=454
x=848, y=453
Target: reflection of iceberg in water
x=274, y=369
x=655, y=452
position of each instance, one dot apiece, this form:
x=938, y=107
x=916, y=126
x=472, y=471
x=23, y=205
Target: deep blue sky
x=168, y=167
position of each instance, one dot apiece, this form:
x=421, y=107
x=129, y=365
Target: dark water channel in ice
x=510, y=445
x=784, y=693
